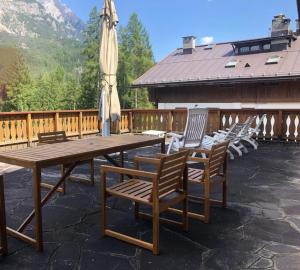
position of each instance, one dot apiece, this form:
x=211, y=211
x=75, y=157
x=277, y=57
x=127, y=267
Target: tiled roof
x=206, y=66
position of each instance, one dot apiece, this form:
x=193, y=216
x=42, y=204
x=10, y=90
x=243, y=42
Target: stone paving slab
x=260, y=229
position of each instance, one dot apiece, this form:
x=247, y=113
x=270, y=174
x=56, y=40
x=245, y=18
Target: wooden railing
x=21, y=128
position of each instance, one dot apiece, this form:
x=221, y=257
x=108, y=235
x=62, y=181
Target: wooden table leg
x=122, y=165
x=3, y=237
x=38, y=208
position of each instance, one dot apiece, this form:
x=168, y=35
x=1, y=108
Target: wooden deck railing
x=21, y=128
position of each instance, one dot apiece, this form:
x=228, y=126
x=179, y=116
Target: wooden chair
x=3, y=236
x=167, y=187
x=214, y=173
x=195, y=130
x=58, y=137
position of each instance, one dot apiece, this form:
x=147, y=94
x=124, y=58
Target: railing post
x=130, y=122
x=80, y=131
x=29, y=130
x=170, y=121
x=56, y=122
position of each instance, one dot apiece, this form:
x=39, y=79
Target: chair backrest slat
x=52, y=137
x=195, y=127
x=217, y=158
x=170, y=173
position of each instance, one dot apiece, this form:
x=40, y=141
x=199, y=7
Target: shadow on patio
x=259, y=230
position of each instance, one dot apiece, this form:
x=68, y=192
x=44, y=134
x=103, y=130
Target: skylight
x=231, y=64
x=273, y=60
x=209, y=46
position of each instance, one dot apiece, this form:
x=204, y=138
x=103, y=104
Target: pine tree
x=135, y=58
x=52, y=90
x=91, y=70
x=21, y=90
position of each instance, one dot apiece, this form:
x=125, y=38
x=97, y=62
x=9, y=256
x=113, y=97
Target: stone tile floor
x=259, y=230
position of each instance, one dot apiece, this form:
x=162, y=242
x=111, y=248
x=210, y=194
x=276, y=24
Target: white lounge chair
x=195, y=130
x=233, y=135
x=248, y=137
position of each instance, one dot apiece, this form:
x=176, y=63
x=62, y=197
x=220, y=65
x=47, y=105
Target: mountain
x=47, y=32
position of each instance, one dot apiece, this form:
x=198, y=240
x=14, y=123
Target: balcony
x=260, y=229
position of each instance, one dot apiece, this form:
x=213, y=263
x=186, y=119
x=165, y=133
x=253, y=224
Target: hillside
x=47, y=32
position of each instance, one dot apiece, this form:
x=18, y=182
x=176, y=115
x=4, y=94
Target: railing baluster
x=296, y=128
x=288, y=123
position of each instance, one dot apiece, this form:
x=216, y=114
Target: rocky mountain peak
x=39, y=18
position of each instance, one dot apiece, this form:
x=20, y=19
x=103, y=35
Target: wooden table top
x=71, y=151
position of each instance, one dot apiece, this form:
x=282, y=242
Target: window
x=244, y=49
x=273, y=60
x=267, y=46
x=231, y=64
x=254, y=48
x=209, y=46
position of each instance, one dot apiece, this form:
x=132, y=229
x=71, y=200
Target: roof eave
x=217, y=81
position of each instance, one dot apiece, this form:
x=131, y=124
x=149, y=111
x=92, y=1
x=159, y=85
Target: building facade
x=260, y=73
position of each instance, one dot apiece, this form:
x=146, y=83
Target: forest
x=61, y=89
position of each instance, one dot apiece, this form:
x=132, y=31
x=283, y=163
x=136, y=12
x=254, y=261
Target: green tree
x=135, y=58
x=91, y=71
x=21, y=90
x=52, y=90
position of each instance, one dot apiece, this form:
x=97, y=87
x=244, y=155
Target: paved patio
x=259, y=230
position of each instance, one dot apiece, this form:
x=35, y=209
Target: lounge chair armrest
x=176, y=135
x=126, y=171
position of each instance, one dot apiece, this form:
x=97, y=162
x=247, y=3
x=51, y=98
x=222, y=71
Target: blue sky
x=168, y=20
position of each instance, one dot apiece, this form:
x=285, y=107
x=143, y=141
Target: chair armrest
x=199, y=160
x=160, y=155
x=145, y=159
x=196, y=150
x=176, y=135
x=126, y=171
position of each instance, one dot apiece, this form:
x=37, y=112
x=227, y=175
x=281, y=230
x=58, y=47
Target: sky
x=167, y=21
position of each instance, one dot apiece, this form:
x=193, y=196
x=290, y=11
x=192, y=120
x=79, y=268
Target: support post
x=80, y=131
x=57, y=124
x=29, y=130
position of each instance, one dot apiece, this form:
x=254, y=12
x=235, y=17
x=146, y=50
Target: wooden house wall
x=245, y=93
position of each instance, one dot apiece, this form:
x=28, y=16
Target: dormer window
x=255, y=48
x=273, y=60
x=231, y=64
x=244, y=49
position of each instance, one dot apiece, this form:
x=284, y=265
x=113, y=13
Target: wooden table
x=72, y=152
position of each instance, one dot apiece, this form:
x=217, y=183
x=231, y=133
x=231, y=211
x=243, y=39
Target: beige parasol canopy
x=109, y=63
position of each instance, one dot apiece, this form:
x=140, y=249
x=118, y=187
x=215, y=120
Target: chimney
x=281, y=26
x=189, y=44
x=298, y=19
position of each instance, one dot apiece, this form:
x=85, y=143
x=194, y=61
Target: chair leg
x=224, y=198
x=63, y=187
x=92, y=168
x=206, y=202
x=103, y=214
x=136, y=210
x=155, y=233
x=185, y=215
